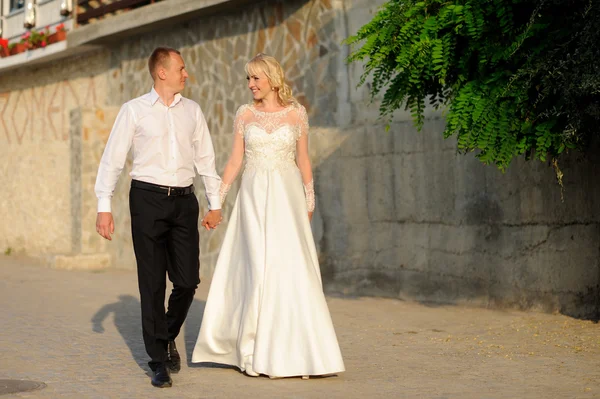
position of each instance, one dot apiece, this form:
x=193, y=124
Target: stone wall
x=415, y=220
x=36, y=152
x=399, y=213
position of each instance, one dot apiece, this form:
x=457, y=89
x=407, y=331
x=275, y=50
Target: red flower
x=60, y=27
x=43, y=43
x=3, y=43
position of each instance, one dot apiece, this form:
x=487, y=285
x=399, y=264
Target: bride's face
x=259, y=86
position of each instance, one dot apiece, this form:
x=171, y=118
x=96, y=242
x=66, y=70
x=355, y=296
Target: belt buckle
x=169, y=192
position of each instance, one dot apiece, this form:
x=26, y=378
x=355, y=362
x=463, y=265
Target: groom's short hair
x=160, y=56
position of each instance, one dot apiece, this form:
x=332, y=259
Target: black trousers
x=165, y=240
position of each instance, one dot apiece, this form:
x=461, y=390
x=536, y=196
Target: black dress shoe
x=162, y=377
x=174, y=358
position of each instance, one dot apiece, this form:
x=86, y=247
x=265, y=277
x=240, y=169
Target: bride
x=266, y=312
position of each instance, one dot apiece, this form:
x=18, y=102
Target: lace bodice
x=271, y=141
x=270, y=137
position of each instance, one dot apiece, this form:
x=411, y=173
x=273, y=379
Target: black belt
x=170, y=191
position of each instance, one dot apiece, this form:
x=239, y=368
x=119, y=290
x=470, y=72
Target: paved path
x=79, y=333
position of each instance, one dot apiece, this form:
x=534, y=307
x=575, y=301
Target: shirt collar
x=154, y=97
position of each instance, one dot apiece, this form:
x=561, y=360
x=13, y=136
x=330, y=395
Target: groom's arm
x=204, y=161
x=111, y=165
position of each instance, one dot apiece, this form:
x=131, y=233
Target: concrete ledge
x=95, y=35
x=81, y=262
x=147, y=18
x=42, y=55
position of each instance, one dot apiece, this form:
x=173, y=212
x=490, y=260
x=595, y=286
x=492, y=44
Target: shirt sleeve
x=114, y=157
x=204, y=160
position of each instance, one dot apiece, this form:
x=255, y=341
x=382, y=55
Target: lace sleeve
x=309, y=192
x=239, y=124
x=303, y=159
x=302, y=122
x=236, y=159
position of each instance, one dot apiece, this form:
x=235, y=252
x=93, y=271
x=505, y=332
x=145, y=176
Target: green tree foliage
x=515, y=77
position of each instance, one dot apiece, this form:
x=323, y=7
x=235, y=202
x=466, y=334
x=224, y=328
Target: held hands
x=212, y=219
x=105, y=225
x=310, y=215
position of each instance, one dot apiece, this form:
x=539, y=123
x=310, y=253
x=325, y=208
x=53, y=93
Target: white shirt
x=167, y=143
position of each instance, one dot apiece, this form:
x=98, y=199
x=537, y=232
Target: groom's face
x=176, y=74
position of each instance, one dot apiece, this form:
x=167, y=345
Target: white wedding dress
x=266, y=312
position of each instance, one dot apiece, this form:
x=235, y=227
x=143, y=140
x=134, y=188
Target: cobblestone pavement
x=79, y=332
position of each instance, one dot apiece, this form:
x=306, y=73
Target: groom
x=169, y=137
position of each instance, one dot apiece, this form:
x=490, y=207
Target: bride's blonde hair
x=274, y=72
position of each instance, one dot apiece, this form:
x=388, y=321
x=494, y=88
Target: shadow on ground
x=127, y=319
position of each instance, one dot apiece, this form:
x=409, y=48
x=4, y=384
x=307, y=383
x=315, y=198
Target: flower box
x=18, y=48
x=58, y=36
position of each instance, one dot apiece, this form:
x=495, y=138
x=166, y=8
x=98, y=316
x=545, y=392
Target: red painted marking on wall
x=6, y=96
x=51, y=109
x=39, y=101
x=19, y=135
x=44, y=103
